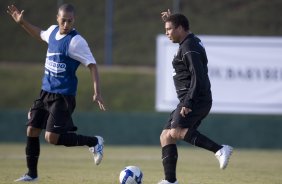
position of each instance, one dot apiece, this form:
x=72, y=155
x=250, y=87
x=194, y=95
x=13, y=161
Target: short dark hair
x=67, y=8
x=177, y=20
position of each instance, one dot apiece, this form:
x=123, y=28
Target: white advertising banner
x=245, y=74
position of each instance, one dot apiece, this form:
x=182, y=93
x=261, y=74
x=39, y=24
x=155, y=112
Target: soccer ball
x=131, y=175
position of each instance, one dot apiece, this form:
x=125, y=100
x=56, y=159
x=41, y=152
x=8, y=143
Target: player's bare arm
x=96, y=85
x=18, y=17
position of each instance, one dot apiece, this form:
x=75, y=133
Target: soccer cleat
x=223, y=156
x=167, y=182
x=98, y=150
x=26, y=178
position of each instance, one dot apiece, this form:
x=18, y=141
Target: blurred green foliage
x=123, y=88
x=135, y=25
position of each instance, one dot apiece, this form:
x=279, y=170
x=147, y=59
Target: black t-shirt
x=191, y=72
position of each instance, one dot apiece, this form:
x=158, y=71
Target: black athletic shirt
x=191, y=72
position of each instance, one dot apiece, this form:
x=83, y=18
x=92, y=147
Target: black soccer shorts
x=53, y=113
x=192, y=120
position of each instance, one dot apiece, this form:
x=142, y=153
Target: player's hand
x=15, y=14
x=99, y=100
x=184, y=111
x=165, y=14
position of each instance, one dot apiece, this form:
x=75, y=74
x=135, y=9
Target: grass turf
x=61, y=165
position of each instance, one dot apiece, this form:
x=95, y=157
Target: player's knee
x=175, y=134
x=33, y=132
x=51, y=138
x=162, y=136
x=165, y=136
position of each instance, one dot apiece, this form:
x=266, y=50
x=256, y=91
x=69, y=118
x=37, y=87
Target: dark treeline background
x=135, y=25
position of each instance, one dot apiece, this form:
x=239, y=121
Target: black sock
x=196, y=138
x=72, y=139
x=169, y=156
x=32, y=151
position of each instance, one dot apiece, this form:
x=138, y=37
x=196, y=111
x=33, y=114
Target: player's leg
x=222, y=152
x=60, y=128
x=195, y=138
x=185, y=128
x=32, y=150
x=95, y=143
x=36, y=122
x=169, y=155
x=70, y=139
x=191, y=135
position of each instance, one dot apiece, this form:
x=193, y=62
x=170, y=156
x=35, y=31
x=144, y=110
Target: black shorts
x=192, y=120
x=53, y=113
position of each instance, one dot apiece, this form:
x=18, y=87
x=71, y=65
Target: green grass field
x=61, y=165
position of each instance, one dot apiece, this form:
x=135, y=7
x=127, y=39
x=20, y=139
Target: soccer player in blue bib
x=54, y=107
x=193, y=90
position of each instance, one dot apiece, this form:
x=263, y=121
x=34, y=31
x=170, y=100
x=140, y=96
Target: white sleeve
x=80, y=51
x=45, y=34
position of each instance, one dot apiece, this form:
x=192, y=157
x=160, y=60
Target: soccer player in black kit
x=193, y=89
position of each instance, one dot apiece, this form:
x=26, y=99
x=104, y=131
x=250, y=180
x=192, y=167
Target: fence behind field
x=141, y=128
